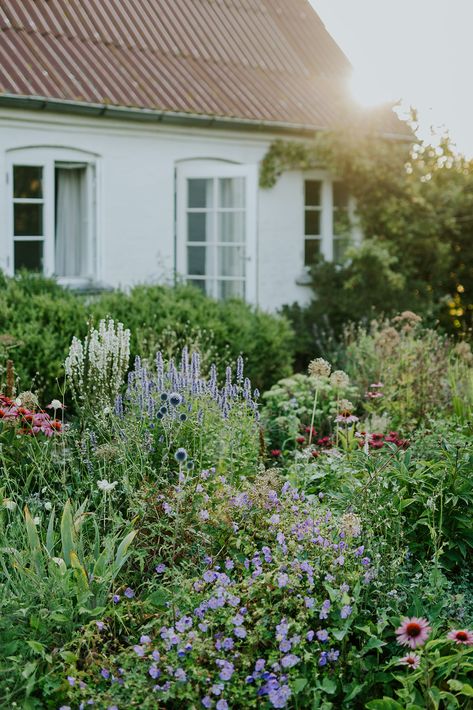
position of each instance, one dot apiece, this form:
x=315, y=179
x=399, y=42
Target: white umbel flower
x=106, y=486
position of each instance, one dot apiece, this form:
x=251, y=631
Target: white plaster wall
x=135, y=195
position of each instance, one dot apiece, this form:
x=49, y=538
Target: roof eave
x=43, y=103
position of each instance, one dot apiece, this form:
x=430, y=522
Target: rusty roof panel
x=267, y=60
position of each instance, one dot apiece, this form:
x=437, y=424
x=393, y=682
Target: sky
x=416, y=51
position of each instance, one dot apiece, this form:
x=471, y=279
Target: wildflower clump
x=96, y=368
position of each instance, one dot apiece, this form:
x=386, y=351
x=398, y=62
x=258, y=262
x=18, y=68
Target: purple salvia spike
x=239, y=372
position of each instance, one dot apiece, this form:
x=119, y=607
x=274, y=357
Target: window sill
x=83, y=285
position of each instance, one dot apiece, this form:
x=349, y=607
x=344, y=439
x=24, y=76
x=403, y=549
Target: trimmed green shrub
x=38, y=319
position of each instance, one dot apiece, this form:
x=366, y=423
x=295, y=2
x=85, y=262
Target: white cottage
x=131, y=133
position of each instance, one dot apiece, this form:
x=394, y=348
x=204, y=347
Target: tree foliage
x=415, y=207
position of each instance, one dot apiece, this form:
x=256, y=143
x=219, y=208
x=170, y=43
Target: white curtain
x=71, y=222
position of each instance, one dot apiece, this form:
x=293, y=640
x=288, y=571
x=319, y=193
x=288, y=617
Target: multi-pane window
x=28, y=217
x=327, y=230
x=312, y=220
x=53, y=215
x=216, y=235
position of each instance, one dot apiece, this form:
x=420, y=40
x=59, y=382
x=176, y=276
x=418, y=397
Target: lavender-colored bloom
x=323, y=658
x=180, y=675
x=204, y=515
x=290, y=660
x=145, y=639
x=154, y=672
x=222, y=704
x=322, y=635
x=345, y=611
x=237, y=620
x=229, y=564
x=359, y=551
x=344, y=588
x=259, y=665
x=365, y=561
x=283, y=580
x=226, y=669
x=129, y=593
x=325, y=609
x=217, y=688
x=285, y=645
x=116, y=598
x=156, y=656
x=105, y=673
x=240, y=632
x=100, y=625
x=227, y=644
x=71, y=680
x=206, y=701
x=309, y=602
x=310, y=635
x=139, y=650
x=278, y=697
x=333, y=655
x=160, y=568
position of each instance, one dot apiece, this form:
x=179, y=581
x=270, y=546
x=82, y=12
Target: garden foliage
x=177, y=542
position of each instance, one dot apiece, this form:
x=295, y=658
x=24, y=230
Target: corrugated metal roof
x=264, y=60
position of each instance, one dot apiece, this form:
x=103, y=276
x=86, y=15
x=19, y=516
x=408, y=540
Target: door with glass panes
x=216, y=228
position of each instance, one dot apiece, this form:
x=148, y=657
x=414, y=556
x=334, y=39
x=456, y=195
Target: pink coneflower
x=412, y=660
x=346, y=418
x=413, y=632
x=461, y=636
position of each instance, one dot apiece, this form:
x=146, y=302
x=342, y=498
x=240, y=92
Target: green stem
x=313, y=415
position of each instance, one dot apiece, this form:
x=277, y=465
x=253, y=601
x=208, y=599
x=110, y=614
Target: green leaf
x=384, y=704
x=67, y=533
x=373, y=642
x=158, y=598
x=299, y=685
x=33, y=541
x=36, y=646
x=50, y=533
x=120, y=557
x=329, y=685
x=79, y=573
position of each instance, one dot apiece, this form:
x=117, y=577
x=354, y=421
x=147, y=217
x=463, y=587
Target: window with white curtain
x=53, y=203
x=216, y=225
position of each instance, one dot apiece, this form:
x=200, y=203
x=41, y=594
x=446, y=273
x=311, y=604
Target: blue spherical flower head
x=183, y=417
x=164, y=396
x=180, y=455
x=175, y=399
x=190, y=465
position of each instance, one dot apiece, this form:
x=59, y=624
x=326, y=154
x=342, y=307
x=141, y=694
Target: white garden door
x=216, y=228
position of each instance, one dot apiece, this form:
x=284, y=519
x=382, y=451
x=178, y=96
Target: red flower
x=56, y=424
x=376, y=444
x=300, y=439
x=315, y=454
x=276, y=452
x=307, y=429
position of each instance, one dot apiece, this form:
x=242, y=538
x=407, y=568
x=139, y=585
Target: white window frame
x=48, y=158
x=213, y=170
x=327, y=236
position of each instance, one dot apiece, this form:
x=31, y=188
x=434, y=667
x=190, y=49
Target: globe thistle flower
x=461, y=636
x=175, y=399
x=413, y=632
x=319, y=368
x=412, y=660
x=180, y=455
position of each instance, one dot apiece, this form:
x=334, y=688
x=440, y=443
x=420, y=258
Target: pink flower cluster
x=29, y=421
x=374, y=391
x=414, y=632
